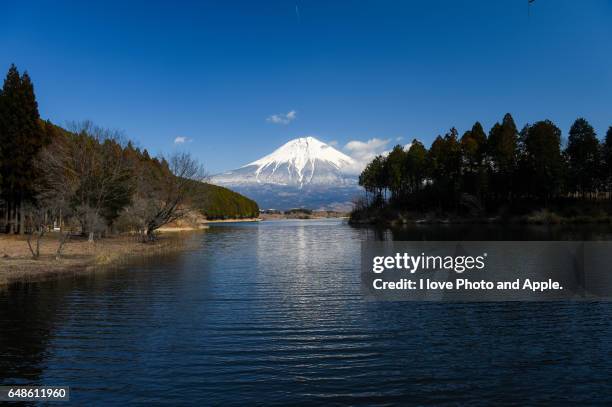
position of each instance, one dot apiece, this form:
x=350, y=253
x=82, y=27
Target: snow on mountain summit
x=304, y=172
x=302, y=155
x=299, y=162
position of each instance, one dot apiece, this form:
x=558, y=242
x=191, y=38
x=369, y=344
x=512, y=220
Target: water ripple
x=272, y=313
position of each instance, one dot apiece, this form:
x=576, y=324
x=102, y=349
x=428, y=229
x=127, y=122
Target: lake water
x=272, y=312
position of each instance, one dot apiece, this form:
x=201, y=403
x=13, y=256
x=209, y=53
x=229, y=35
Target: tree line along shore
x=533, y=175
x=85, y=182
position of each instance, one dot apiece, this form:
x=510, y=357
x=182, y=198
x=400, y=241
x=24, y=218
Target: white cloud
x=181, y=140
x=282, y=118
x=364, y=152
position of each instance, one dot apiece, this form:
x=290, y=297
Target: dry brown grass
x=78, y=256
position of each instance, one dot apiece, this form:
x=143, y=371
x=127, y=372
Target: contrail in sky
x=297, y=12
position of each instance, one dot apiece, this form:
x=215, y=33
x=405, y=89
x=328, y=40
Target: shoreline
x=544, y=218
x=266, y=217
x=202, y=224
x=232, y=220
x=79, y=256
x=311, y=218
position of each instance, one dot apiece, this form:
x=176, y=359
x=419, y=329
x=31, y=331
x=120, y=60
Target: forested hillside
x=90, y=180
x=217, y=202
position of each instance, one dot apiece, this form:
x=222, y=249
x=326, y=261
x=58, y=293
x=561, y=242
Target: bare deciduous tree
x=93, y=174
x=162, y=197
x=48, y=211
x=36, y=225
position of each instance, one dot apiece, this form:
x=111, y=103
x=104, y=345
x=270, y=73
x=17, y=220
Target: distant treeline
x=508, y=168
x=90, y=180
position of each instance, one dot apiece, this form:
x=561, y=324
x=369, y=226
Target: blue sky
x=214, y=73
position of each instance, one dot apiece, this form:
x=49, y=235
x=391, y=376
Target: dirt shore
x=232, y=220
x=79, y=255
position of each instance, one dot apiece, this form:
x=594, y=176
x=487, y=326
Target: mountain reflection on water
x=272, y=312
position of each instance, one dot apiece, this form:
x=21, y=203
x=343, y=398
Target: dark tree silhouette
x=502, y=152
x=583, y=158
x=21, y=138
x=506, y=172
x=543, y=160
x=473, y=149
x=415, y=169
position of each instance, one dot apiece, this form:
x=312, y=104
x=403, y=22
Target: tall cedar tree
x=395, y=169
x=374, y=179
x=502, y=149
x=543, y=160
x=444, y=161
x=21, y=137
x=473, y=149
x=583, y=157
x=416, y=165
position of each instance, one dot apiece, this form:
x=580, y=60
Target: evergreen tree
x=444, y=161
x=21, y=137
x=416, y=165
x=473, y=150
x=374, y=178
x=437, y=169
x=543, y=160
x=583, y=155
x=502, y=150
x=502, y=144
x=474, y=145
x=396, y=164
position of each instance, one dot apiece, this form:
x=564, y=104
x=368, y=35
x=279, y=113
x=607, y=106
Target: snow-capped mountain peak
x=299, y=162
x=302, y=156
x=304, y=172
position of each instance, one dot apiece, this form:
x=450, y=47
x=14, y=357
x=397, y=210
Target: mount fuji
x=303, y=172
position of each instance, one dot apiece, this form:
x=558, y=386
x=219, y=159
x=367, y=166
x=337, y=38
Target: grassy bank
x=79, y=256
